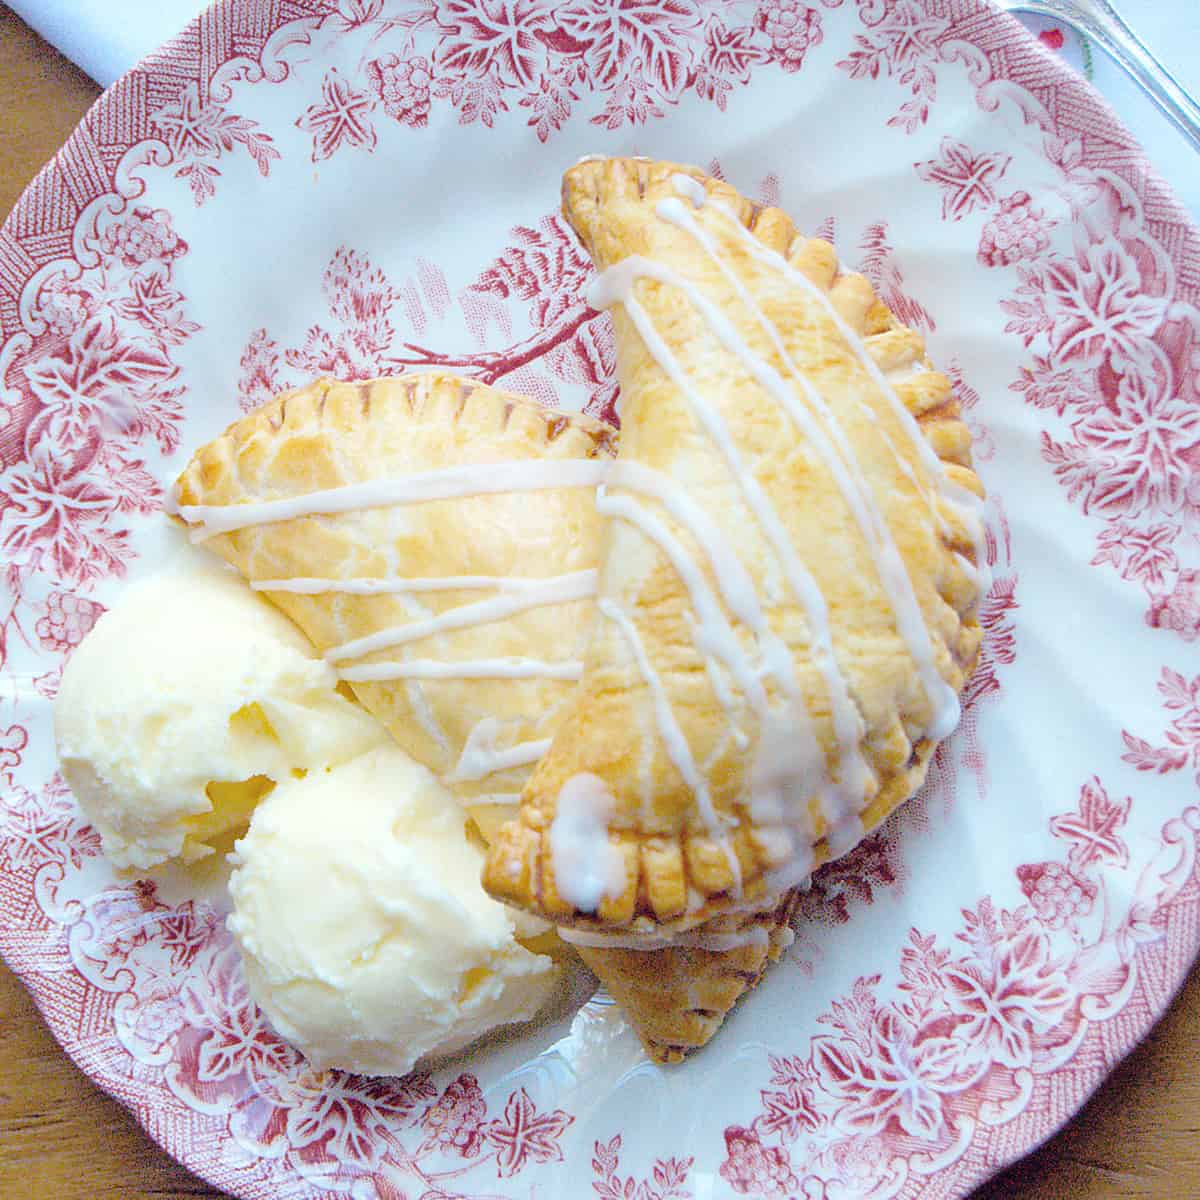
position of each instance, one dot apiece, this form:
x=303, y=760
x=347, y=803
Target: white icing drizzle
x=720, y=943
x=725, y=698
x=841, y=462
x=475, y=668
x=561, y=589
x=714, y=635
x=693, y=189
x=447, y=483
x=742, y=923
x=904, y=372
x=419, y=703
x=770, y=258
x=970, y=508
x=678, y=750
x=616, y=285
x=414, y=689
x=957, y=497
x=796, y=873
x=733, y=862
x=700, y=938
x=313, y=586
x=733, y=580
x=481, y=757
x=587, y=866
x=844, y=836
x=980, y=577
x=785, y=773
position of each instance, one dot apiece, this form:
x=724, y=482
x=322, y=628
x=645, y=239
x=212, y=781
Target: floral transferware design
x=975, y=1030
x=967, y=1037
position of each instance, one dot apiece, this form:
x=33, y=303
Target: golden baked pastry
x=460, y=621
x=480, y=731
x=788, y=594
x=677, y=995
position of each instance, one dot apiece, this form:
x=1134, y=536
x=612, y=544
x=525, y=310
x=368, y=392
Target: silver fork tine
x=1101, y=22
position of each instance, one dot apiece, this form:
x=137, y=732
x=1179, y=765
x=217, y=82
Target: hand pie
x=477, y=701
x=437, y=541
x=787, y=598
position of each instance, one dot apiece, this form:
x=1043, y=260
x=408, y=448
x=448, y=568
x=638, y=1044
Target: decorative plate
x=302, y=186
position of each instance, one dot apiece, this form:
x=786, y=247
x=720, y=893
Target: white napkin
x=106, y=37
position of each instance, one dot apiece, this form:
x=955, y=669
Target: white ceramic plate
x=291, y=188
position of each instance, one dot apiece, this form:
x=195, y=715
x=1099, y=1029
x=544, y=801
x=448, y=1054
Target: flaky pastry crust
x=329, y=435
x=681, y=867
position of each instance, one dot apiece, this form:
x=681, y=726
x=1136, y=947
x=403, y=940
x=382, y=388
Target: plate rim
x=1027, y=56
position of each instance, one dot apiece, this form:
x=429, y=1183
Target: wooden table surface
x=62, y=1139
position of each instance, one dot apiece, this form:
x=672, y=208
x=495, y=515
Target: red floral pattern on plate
x=968, y=180
x=1117, y=365
x=339, y=119
x=89, y=381
x=630, y=60
x=668, y=1179
x=1181, y=697
x=971, y=1036
x=978, y=1036
x=1097, y=294
x=199, y=132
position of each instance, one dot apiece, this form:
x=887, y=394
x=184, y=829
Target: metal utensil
x=1098, y=20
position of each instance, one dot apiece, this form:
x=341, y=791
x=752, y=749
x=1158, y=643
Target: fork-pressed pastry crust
x=732, y=330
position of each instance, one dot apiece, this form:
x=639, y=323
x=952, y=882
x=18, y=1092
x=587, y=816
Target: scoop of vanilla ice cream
x=366, y=936
x=186, y=704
